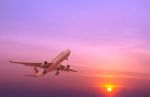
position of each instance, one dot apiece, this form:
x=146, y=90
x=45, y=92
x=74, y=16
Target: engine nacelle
x=64, y=68
x=67, y=68
x=61, y=67
x=44, y=65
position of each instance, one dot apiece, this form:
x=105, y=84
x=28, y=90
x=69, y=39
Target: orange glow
x=110, y=86
x=109, y=89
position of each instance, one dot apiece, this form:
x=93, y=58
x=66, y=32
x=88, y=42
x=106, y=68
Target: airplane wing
x=27, y=63
x=66, y=68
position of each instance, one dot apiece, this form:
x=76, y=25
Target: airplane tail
x=36, y=70
x=37, y=73
x=31, y=75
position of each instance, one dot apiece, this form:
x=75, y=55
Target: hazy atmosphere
x=109, y=43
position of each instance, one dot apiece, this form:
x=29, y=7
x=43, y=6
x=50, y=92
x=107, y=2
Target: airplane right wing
x=27, y=63
x=66, y=68
x=72, y=70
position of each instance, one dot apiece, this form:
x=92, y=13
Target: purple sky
x=102, y=34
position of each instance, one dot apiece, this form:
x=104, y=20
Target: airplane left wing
x=27, y=63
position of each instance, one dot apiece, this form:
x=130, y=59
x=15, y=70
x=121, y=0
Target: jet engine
x=61, y=67
x=67, y=68
x=64, y=68
x=44, y=64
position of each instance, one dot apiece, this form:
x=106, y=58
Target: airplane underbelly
x=56, y=62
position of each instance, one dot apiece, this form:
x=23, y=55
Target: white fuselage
x=56, y=62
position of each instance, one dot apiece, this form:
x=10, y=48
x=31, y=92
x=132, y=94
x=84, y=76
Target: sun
x=109, y=89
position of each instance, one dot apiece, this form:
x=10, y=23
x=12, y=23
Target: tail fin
x=36, y=70
x=37, y=73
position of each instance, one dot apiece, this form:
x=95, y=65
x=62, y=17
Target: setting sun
x=109, y=89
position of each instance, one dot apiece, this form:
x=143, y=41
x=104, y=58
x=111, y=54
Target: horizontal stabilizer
x=31, y=75
x=10, y=61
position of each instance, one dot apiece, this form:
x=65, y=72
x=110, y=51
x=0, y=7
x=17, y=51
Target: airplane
x=46, y=67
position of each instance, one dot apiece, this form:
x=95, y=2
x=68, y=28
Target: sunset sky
x=109, y=40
